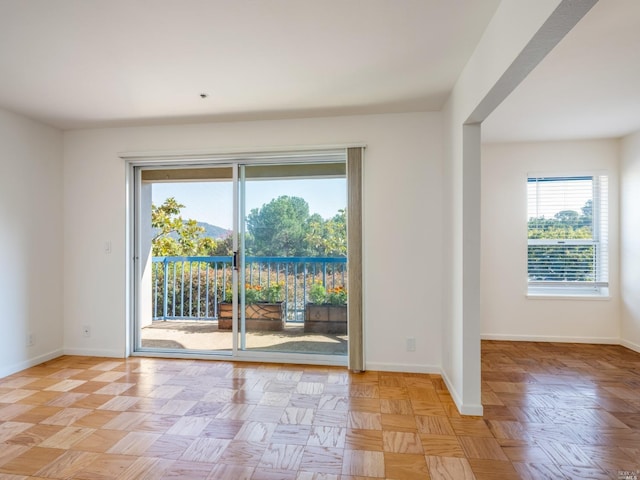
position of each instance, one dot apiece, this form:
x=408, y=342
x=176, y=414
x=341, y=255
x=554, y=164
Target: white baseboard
x=475, y=410
x=32, y=362
x=547, y=338
x=91, y=352
x=630, y=345
x=402, y=367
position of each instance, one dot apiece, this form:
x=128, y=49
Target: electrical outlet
x=411, y=344
x=86, y=331
x=31, y=339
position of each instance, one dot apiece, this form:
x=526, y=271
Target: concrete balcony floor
x=204, y=335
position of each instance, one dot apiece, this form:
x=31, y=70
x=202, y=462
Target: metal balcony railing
x=191, y=288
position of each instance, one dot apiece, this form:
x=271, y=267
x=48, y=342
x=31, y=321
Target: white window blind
x=568, y=234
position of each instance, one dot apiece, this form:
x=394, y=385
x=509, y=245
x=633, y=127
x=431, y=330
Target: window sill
x=565, y=296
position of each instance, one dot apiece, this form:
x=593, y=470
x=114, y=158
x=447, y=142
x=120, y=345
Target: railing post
x=324, y=274
x=286, y=290
x=215, y=290
x=165, y=299
x=304, y=287
x=155, y=290
x=173, y=299
x=206, y=295
x=190, y=313
x=199, y=291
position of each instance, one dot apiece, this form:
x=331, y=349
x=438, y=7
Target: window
x=568, y=235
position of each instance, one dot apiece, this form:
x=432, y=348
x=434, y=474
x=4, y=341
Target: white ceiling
x=587, y=87
x=85, y=63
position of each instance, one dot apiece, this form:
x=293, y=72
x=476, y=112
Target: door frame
x=193, y=160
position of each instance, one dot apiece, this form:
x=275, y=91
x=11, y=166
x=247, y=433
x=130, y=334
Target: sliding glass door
x=246, y=259
x=294, y=256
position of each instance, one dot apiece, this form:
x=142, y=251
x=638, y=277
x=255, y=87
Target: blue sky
x=212, y=202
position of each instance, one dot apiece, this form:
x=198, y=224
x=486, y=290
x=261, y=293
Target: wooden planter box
x=325, y=318
x=259, y=316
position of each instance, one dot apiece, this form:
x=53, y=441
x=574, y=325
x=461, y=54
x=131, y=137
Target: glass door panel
x=292, y=271
x=185, y=242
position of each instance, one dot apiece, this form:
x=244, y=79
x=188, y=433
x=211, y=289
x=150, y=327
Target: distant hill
x=213, y=231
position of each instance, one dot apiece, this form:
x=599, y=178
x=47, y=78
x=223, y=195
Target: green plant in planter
x=328, y=311
x=259, y=294
x=273, y=293
x=253, y=293
x=228, y=294
x=317, y=293
x=337, y=296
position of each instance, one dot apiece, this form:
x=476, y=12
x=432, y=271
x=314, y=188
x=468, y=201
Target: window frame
x=599, y=288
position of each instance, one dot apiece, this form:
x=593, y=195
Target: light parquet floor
x=551, y=411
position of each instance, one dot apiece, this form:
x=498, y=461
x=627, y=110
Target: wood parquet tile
x=552, y=411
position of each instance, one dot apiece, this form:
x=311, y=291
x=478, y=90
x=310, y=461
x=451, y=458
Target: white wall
x=629, y=240
x=402, y=224
x=30, y=242
x=506, y=311
x=510, y=47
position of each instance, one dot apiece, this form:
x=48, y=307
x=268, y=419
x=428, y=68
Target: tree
x=562, y=261
x=567, y=217
x=279, y=228
x=328, y=238
x=224, y=247
x=566, y=224
x=165, y=219
x=175, y=236
x=284, y=227
x=587, y=210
